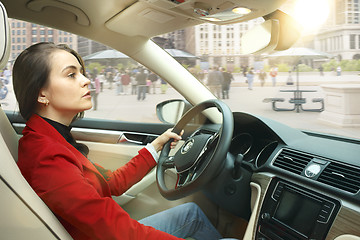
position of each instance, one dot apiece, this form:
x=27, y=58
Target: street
x=127, y=108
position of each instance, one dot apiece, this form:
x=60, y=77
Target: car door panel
x=113, y=156
x=112, y=144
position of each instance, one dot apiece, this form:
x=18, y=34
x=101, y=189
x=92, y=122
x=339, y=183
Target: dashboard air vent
x=341, y=176
x=292, y=161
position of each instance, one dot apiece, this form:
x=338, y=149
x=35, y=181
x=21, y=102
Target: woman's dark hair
x=31, y=73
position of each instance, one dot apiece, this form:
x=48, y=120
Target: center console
x=291, y=212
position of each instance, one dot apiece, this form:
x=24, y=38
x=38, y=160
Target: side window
x=125, y=91
x=115, y=78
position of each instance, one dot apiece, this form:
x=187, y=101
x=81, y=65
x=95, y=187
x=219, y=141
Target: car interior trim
x=39, y=5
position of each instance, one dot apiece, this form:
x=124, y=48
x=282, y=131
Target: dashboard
x=313, y=171
x=309, y=182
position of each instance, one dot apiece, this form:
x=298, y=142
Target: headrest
x=4, y=37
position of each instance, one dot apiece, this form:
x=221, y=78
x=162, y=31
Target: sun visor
x=147, y=20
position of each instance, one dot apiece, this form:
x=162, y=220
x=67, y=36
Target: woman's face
x=67, y=90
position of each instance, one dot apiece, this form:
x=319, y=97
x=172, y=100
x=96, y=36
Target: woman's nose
x=85, y=81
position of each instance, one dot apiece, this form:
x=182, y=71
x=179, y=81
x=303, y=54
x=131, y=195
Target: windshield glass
x=314, y=86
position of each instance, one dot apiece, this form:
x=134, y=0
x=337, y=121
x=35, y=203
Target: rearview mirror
x=289, y=29
x=279, y=32
x=261, y=38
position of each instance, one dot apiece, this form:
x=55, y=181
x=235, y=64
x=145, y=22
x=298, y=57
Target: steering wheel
x=201, y=156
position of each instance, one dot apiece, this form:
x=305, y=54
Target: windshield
x=314, y=85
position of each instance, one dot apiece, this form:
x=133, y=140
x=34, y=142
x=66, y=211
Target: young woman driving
x=52, y=91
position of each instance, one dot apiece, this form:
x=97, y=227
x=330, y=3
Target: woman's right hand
x=159, y=142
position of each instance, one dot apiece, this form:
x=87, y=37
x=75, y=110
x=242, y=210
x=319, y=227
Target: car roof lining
x=145, y=18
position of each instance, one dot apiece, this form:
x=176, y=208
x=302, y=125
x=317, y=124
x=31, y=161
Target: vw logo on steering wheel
x=187, y=145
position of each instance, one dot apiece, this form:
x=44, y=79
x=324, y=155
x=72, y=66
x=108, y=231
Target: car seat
x=23, y=214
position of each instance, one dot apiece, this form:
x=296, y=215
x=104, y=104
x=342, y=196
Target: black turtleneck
x=65, y=132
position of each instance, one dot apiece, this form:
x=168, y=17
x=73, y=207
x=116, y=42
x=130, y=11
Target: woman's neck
x=62, y=118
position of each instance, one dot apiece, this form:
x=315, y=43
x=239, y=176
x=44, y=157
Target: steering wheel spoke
x=186, y=178
x=168, y=162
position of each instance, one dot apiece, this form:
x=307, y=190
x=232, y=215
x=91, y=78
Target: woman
x=52, y=92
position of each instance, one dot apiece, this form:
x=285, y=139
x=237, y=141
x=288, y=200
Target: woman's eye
x=71, y=75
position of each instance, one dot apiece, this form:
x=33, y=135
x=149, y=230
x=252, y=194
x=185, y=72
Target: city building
x=340, y=36
x=214, y=45
x=24, y=34
x=218, y=45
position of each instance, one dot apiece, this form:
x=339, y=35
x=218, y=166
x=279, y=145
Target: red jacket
x=75, y=191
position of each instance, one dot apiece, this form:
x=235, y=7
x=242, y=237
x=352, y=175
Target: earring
x=43, y=101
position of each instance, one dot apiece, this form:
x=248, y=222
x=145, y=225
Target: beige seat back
x=9, y=135
x=23, y=214
x=6, y=129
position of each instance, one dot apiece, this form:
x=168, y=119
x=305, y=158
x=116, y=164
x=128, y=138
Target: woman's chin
x=87, y=107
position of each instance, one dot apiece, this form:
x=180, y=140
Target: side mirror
x=171, y=111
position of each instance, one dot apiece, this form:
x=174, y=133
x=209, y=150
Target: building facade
x=340, y=36
x=220, y=45
x=24, y=34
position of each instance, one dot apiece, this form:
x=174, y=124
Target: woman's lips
x=87, y=94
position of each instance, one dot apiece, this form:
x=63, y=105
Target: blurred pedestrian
x=262, y=77
x=321, y=70
x=118, y=83
x=225, y=86
x=3, y=89
x=338, y=71
x=95, y=72
x=125, y=81
x=96, y=88
x=153, y=79
x=7, y=75
x=141, y=77
x=110, y=79
x=290, y=80
x=215, y=79
x=164, y=86
x=250, y=78
x=244, y=70
x=273, y=74
x=101, y=77
x=109, y=75
x=134, y=84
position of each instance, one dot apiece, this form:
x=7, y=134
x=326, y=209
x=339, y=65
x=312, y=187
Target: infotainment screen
x=297, y=211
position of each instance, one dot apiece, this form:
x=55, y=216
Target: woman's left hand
x=159, y=142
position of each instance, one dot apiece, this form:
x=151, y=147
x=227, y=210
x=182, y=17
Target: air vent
x=292, y=161
x=341, y=176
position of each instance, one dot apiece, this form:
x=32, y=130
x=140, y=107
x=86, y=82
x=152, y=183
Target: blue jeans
x=186, y=220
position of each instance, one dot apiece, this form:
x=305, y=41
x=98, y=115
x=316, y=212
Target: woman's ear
x=42, y=98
